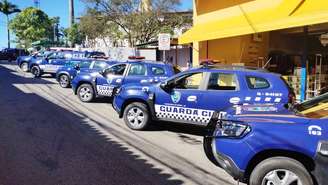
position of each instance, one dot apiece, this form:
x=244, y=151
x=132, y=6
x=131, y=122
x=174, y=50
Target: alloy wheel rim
x=63, y=80
x=24, y=67
x=85, y=94
x=281, y=177
x=35, y=71
x=136, y=117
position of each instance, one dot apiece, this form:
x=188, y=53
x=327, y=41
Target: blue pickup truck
x=268, y=144
x=194, y=95
x=67, y=73
x=88, y=85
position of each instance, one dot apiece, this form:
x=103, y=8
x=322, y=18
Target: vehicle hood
x=264, y=114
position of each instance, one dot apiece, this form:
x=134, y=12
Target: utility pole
x=71, y=12
x=36, y=3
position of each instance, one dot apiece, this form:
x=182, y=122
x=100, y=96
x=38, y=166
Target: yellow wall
x=242, y=49
x=206, y=6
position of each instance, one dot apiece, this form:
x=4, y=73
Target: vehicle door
x=222, y=91
x=110, y=78
x=137, y=74
x=180, y=100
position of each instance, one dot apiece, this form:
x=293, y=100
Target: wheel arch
x=132, y=100
x=83, y=82
x=60, y=74
x=305, y=160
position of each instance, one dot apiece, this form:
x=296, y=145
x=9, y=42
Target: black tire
x=36, y=71
x=85, y=93
x=279, y=163
x=24, y=67
x=137, y=124
x=64, y=81
x=207, y=146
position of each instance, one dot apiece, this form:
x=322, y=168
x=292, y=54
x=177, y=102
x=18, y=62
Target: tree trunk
x=8, y=32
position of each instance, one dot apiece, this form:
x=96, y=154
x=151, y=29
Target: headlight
x=231, y=129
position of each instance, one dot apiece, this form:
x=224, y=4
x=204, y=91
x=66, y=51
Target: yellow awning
x=255, y=17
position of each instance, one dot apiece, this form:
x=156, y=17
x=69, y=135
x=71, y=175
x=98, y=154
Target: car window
x=137, y=70
x=157, y=71
x=71, y=63
x=85, y=64
x=189, y=81
x=257, y=82
x=222, y=81
x=115, y=70
x=100, y=65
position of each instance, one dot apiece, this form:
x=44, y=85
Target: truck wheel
x=36, y=71
x=136, y=116
x=280, y=170
x=85, y=93
x=64, y=81
x=24, y=67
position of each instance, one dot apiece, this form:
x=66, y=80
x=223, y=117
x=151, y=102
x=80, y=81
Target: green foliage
x=139, y=23
x=74, y=34
x=96, y=26
x=7, y=8
x=31, y=25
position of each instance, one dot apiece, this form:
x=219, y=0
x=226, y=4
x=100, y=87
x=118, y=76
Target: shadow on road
x=42, y=143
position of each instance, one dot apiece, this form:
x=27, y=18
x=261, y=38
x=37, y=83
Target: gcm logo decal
x=315, y=130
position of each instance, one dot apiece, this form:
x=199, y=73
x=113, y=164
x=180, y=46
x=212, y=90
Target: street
x=47, y=136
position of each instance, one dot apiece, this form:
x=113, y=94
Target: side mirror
x=77, y=67
x=166, y=86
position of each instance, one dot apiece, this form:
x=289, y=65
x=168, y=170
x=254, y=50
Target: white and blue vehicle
x=89, y=85
x=193, y=96
x=270, y=145
x=68, y=72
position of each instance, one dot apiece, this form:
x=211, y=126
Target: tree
x=139, y=22
x=95, y=26
x=7, y=8
x=31, y=25
x=74, y=34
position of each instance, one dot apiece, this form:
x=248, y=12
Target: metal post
x=164, y=57
x=304, y=64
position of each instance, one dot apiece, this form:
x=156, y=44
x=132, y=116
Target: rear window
x=157, y=71
x=254, y=82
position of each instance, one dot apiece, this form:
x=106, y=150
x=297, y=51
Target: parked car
x=266, y=144
x=12, y=53
x=52, y=62
x=23, y=61
x=87, y=86
x=67, y=73
x=193, y=96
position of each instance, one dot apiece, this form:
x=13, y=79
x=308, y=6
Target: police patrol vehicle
x=88, y=85
x=52, y=63
x=23, y=61
x=67, y=73
x=193, y=96
x=293, y=148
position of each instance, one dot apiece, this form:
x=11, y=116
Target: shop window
x=257, y=82
x=222, y=81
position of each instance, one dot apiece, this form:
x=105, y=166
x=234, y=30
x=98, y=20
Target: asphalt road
x=48, y=137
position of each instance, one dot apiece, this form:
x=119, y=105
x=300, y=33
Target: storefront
x=284, y=36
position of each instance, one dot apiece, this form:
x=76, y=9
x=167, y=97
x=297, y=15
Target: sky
x=57, y=8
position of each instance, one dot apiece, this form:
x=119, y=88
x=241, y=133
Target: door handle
x=192, y=98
